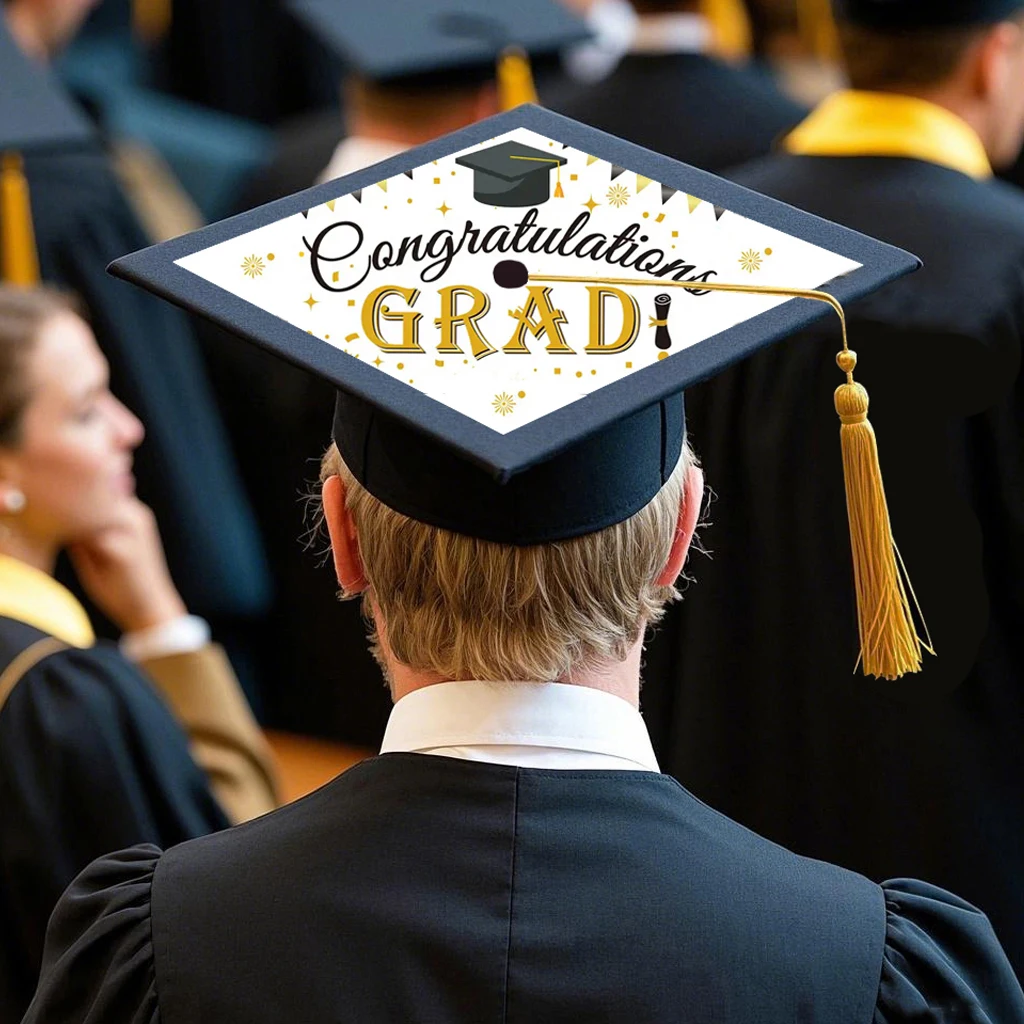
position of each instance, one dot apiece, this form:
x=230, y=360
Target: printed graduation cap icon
x=512, y=174
x=518, y=376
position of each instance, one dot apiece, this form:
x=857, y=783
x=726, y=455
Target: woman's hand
x=124, y=571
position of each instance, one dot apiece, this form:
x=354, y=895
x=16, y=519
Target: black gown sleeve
x=942, y=962
x=91, y=760
x=98, y=966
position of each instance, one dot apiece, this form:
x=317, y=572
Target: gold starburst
x=618, y=195
x=253, y=266
x=750, y=260
x=504, y=403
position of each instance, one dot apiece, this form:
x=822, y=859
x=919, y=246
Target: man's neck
x=619, y=678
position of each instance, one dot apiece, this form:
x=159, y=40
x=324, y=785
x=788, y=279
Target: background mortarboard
x=899, y=15
x=34, y=113
x=482, y=446
x=398, y=39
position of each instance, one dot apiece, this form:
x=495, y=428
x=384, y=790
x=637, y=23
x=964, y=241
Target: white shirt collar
x=551, y=725
x=611, y=23
x=358, y=152
x=671, y=33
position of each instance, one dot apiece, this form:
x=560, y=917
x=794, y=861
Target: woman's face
x=74, y=459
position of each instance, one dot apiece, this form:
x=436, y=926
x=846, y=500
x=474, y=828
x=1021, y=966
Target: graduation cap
x=414, y=41
x=901, y=15
x=516, y=374
x=34, y=114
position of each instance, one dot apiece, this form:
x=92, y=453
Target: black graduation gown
x=751, y=696
x=424, y=889
x=185, y=467
x=91, y=760
x=689, y=106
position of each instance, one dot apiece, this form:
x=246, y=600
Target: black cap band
x=593, y=484
x=903, y=15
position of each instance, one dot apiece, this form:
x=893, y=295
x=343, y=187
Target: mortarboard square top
x=34, y=111
x=393, y=39
x=512, y=370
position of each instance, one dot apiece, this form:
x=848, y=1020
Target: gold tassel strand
x=889, y=643
x=19, y=261
x=515, y=79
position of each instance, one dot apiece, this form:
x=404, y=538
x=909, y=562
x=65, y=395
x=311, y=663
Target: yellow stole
x=30, y=596
x=855, y=123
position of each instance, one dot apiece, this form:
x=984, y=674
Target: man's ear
x=348, y=565
x=686, y=525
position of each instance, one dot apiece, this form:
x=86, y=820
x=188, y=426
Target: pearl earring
x=14, y=502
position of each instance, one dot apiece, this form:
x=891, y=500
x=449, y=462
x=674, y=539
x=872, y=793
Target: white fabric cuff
x=179, y=636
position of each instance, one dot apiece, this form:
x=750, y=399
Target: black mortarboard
x=517, y=375
x=34, y=113
x=390, y=40
x=906, y=15
x=512, y=174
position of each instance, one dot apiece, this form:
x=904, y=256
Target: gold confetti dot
x=352, y=337
x=301, y=254
x=437, y=181
x=659, y=218
x=351, y=302
x=270, y=256
x=439, y=362
x=335, y=276
x=522, y=394
x=558, y=370
x=593, y=373
x=401, y=366
x=675, y=234
x=410, y=380
x=629, y=366
x=409, y=200
x=327, y=337
x=663, y=355
x=574, y=177
x=646, y=215
x=465, y=360
x=767, y=252
x=579, y=373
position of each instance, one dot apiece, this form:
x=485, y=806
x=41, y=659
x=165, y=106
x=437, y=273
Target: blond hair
x=466, y=608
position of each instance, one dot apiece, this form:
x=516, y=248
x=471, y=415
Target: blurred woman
x=101, y=745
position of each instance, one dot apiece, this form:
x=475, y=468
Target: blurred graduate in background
x=81, y=221
x=765, y=718
x=100, y=745
x=710, y=112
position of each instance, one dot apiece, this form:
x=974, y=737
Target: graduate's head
x=44, y=27
x=416, y=109
x=66, y=442
x=966, y=56
x=453, y=606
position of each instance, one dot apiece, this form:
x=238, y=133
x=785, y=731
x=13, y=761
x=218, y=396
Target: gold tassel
x=19, y=261
x=515, y=79
x=559, y=192
x=817, y=28
x=732, y=35
x=889, y=644
x=151, y=19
